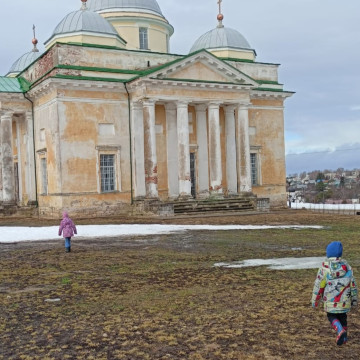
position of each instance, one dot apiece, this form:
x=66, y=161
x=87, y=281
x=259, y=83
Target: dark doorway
x=193, y=174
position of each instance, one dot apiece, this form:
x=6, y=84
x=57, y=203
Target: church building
x=108, y=121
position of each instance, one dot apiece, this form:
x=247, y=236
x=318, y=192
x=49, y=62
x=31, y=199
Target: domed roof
x=23, y=62
x=221, y=37
x=84, y=20
x=130, y=5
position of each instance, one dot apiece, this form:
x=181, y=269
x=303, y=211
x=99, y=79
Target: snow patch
x=15, y=234
x=276, y=264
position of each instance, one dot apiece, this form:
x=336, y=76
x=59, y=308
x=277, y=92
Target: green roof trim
x=113, y=48
x=202, y=81
x=10, y=85
x=268, y=82
x=97, y=69
x=148, y=72
x=91, y=45
x=274, y=90
x=248, y=61
x=236, y=60
x=91, y=78
x=25, y=85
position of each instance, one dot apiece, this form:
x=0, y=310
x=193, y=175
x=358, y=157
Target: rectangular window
x=143, y=37
x=107, y=172
x=44, y=181
x=254, y=169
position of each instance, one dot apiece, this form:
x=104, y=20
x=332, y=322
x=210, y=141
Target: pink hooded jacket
x=67, y=227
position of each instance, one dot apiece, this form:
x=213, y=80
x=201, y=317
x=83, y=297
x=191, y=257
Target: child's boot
x=346, y=337
x=341, y=332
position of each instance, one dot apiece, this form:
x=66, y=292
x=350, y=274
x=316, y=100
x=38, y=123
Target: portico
x=210, y=147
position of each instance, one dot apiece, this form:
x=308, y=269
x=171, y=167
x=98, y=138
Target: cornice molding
x=52, y=84
x=159, y=83
x=267, y=95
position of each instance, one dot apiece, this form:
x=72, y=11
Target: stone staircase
x=215, y=205
x=16, y=211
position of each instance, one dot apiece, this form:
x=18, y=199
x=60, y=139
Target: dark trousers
x=342, y=317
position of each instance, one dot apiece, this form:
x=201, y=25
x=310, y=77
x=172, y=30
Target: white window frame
x=255, y=152
x=143, y=38
x=115, y=152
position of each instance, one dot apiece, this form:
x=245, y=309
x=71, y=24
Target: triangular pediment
x=202, y=67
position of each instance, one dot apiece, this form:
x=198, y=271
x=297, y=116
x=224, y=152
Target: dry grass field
x=160, y=297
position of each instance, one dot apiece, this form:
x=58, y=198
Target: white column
x=215, y=150
x=203, y=157
x=137, y=129
x=30, y=158
x=183, y=150
x=7, y=159
x=151, y=171
x=231, y=171
x=172, y=150
x=243, y=149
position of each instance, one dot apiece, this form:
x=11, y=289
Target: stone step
x=213, y=206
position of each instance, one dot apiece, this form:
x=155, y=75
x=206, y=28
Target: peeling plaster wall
x=269, y=136
x=77, y=55
x=68, y=124
x=108, y=58
x=258, y=71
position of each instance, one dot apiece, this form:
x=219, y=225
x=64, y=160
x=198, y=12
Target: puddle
x=277, y=264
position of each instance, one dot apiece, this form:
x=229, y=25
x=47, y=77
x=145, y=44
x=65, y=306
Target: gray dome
x=133, y=5
x=84, y=20
x=24, y=61
x=221, y=37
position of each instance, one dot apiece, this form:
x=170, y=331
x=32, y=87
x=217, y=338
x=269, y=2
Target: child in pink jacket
x=68, y=229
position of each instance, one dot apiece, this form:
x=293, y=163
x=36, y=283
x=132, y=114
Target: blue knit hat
x=334, y=249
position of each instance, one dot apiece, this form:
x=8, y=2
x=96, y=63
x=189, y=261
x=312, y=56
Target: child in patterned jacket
x=335, y=285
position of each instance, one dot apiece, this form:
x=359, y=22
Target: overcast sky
x=317, y=43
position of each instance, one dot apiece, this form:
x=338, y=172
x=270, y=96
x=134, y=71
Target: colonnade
x=8, y=194
x=209, y=152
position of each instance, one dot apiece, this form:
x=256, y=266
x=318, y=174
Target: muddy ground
x=160, y=297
